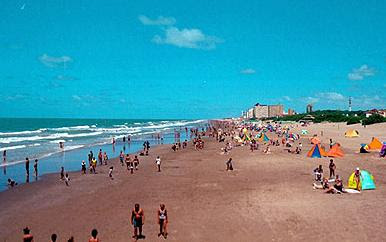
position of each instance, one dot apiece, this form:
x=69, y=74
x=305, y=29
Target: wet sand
x=266, y=197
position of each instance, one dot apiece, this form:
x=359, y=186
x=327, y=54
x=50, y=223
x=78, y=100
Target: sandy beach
x=265, y=198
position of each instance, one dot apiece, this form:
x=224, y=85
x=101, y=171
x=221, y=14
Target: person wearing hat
x=357, y=175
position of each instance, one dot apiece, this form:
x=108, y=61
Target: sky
x=188, y=59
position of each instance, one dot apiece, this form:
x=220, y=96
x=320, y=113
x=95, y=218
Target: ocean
x=39, y=139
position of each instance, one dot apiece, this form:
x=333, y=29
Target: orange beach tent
x=315, y=141
x=316, y=152
x=335, y=151
x=375, y=144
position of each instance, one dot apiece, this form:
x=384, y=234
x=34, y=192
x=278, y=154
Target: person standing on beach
x=5, y=161
x=62, y=173
x=229, y=165
x=100, y=156
x=27, y=169
x=27, y=237
x=332, y=167
x=136, y=162
x=90, y=156
x=162, y=221
x=105, y=158
x=137, y=220
x=158, y=162
x=67, y=179
x=121, y=157
x=128, y=161
x=83, y=167
x=36, y=169
x=94, y=234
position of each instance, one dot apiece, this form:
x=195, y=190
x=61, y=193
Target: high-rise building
x=291, y=112
x=275, y=110
x=260, y=111
x=309, y=108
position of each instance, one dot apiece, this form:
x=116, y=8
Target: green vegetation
x=353, y=117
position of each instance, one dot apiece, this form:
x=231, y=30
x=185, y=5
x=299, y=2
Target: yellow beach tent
x=351, y=133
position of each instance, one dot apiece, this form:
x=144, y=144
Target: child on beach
x=162, y=221
x=83, y=167
x=67, y=179
x=158, y=162
x=137, y=220
x=111, y=172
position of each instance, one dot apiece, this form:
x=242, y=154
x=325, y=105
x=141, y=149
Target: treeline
x=353, y=117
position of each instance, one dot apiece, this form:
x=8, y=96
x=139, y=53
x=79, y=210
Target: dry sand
x=266, y=197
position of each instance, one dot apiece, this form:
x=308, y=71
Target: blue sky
x=188, y=59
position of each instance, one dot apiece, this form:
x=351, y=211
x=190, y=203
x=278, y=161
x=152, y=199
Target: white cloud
x=187, y=38
x=331, y=96
x=311, y=99
x=248, y=71
x=52, y=61
x=360, y=73
x=76, y=98
x=159, y=21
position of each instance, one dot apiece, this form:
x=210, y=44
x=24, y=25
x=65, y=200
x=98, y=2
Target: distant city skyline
x=188, y=59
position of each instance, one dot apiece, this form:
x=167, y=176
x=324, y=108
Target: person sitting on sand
x=94, y=234
x=162, y=221
x=27, y=237
x=11, y=183
x=318, y=172
x=137, y=220
x=267, y=150
x=338, y=184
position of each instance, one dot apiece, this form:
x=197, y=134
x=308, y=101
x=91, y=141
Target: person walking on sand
x=27, y=236
x=62, y=173
x=158, y=162
x=136, y=162
x=121, y=157
x=105, y=158
x=137, y=220
x=162, y=221
x=111, y=172
x=128, y=161
x=229, y=165
x=94, y=234
x=67, y=179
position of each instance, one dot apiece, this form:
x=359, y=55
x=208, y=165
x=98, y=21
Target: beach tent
x=382, y=153
x=316, y=152
x=366, y=181
x=263, y=138
x=375, y=144
x=335, y=151
x=351, y=133
x=304, y=131
x=315, y=141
